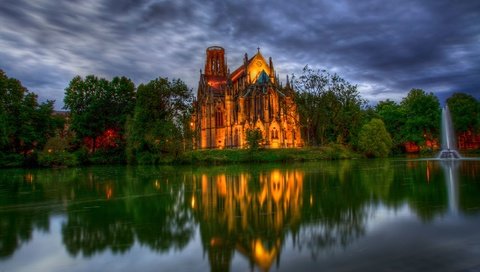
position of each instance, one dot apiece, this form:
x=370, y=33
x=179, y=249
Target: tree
x=465, y=112
x=159, y=123
x=97, y=105
x=330, y=107
x=393, y=117
x=421, y=112
x=374, y=139
x=25, y=124
x=254, y=138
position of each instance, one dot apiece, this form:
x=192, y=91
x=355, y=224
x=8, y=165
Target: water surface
x=388, y=215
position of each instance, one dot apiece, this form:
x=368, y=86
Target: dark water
x=388, y=215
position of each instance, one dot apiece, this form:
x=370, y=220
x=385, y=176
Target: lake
x=361, y=215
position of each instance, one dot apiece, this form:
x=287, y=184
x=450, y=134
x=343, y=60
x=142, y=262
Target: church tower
x=215, y=63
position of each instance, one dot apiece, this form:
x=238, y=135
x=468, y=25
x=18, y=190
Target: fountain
x=449, y=150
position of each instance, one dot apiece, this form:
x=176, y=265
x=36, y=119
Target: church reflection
x=254, y=213
x=247, y=214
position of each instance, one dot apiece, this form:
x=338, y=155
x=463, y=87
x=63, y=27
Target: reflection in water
x=260, y=213
x=450, y=168
x=246, y=213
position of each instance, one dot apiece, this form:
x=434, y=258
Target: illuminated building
x=228, y=104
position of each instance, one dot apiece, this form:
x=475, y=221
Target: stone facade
x=228, y=104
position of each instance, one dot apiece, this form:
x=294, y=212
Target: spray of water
x=449, y=147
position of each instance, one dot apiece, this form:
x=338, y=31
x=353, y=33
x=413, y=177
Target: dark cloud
x=385, y=47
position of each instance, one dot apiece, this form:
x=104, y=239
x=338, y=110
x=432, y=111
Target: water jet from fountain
x=449, y=148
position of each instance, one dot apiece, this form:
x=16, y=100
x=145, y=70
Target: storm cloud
x=385, y=47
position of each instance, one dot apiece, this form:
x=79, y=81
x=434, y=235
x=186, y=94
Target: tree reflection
x=94, y=229
x=337, y=212
x=145, y=208
x=468, y=187
x=18, y=215
x=251, y=211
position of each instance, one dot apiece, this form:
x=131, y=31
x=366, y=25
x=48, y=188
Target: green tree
x=393, y=117
x=97, y=105
x=330, y=108
x=159, y=124
x=25, y=124
x=465, y=112
x=254, y=138
x=421, y=112
x=374, y=139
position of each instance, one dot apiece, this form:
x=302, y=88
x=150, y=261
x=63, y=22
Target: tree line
x=108, y=121
x=333, y=111
x=114, y=121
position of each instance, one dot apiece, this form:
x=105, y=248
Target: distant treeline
x=114, y=121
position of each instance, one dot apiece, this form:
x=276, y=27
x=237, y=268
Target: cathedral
x=251, y=97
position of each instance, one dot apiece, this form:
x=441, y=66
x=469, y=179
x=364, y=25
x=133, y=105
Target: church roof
x=241, y=70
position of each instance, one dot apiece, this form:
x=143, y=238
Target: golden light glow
x=28, y=178
x=216, y=83
x=215, y=241
x=257, y=65
x=193, y=202
x=222, y=185
x=108, y=192
x=263, y=257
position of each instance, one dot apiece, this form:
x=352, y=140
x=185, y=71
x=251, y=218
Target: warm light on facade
x=249, y=97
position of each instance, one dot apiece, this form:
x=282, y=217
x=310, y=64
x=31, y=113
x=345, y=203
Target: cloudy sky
x=385, y=47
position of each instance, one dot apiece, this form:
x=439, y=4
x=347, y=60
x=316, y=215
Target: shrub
x=55, y=153
x=254, y=138
x=11, y=160
x=57, y=159
x=374, y=140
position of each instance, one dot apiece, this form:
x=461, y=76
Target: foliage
x=330, y=108
x=55, y=153
x=225, y=156
x=421, y=114
x=160, y=124
x=8, y=160
x=465, y=112
x=97, y=105
x=374, y=139
x=57, y=159
x=254, y=138
x=25, y=125
x=393, y=117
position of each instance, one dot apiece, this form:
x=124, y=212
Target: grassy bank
x=225, y=156
x=195, y=157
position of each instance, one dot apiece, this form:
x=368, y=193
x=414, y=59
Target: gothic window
x=235, y=138
x=274, y=133
x=218, y=118
x=235, y=113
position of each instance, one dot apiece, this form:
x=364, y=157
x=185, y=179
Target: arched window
x=235, y=138
x=274, y=133
x=218, y=118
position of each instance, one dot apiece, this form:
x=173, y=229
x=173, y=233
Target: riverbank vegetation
x=115, y=122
